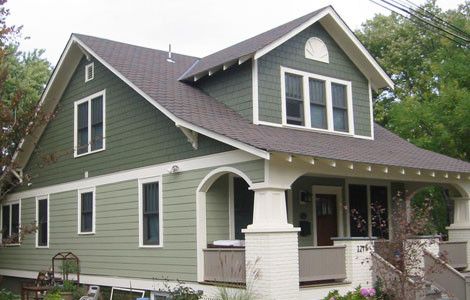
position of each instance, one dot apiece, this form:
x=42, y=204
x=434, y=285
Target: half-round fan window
x=316, y=49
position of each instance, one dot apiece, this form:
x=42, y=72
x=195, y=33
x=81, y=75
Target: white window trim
x=329, y=102
x=79, y=213
x=141, y=182
x=87, y=67
x=75, y=120
x=10, y=204
x=48, y=220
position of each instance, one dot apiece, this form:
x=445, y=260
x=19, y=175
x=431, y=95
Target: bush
x=8, y=295
x=358, y=294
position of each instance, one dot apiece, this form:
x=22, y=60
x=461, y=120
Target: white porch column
x=271, y=247
x=460, y=229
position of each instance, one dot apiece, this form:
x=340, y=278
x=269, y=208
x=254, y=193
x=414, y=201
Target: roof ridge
x=78, y=35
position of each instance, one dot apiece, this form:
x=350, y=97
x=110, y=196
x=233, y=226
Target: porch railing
x=224, y=265
x=322, y=263
x=315, y=264
x=455, y=253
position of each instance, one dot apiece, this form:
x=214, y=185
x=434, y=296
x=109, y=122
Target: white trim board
x=208, y=161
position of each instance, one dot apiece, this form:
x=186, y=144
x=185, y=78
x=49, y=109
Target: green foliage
x=430, y=104
x=439, y=218
x=8, y=295
x=225, y=293
x=182, y=292
x=68, y=287
x=53, y=295
x=69, y=267
x=357, y=294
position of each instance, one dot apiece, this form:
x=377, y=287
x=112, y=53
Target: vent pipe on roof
x=169, y=59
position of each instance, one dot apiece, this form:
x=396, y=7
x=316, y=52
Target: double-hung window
x=316, y=101
x=89, y=133
x=150, y=213
x=11, y=222
x=42, y=217
x=86, y=211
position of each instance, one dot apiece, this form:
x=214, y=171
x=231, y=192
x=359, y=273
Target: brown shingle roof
x=247, y=47
x=150, y=72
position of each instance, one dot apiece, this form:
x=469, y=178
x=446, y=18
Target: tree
x=430, y=104
x=22, y=80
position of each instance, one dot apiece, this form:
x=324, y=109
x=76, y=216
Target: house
x=158, y=164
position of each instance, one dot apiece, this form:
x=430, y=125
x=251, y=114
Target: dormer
x=309, y=74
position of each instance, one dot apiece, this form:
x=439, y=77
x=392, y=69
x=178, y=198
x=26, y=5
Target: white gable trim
x=178, y=121
x=331, y=12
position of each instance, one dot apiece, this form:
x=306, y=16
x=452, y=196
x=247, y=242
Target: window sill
x=11, y=245
x=318, y=130
x=150, y=246
x=88, y=153
x=42, y=247
x=86, y=233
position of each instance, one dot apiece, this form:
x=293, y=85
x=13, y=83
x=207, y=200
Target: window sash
x=86, y=214
x=5, y=221
x=15, y=219
x=42, y=222
x=150, y=213
x=90, y=125
x=294, y=99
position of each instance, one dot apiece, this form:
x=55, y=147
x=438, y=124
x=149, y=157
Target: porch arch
x=201, y=225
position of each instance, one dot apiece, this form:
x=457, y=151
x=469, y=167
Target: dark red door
x=326, y=219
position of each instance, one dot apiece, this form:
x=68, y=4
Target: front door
x=327, y=220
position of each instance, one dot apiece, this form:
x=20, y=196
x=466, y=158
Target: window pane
x=318, y=116
x=42, y=222
x=6, y=221
x=358, y=210
x=294, y=100
x=340, y=119
x=379, y=211
x=150, y=213
x=87, y=212
x=15, y=219
x=293, y=86
x=338, y=93
x=97, y=123
x=82, y=128
x=317, y=91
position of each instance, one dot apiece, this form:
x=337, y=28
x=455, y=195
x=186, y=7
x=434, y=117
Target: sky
x=193, y=27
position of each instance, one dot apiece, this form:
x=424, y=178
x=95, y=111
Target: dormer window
x=90, y=124
x=89, y=72
x=316, y=101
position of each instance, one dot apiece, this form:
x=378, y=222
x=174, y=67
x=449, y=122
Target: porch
x=340, y=210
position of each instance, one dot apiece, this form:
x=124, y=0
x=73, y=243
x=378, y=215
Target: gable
x=291, y=54
x=137, y=134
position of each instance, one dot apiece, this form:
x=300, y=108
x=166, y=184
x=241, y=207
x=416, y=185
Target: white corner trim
x=79, y=211
x=75, y=121
x=329, y=101
x=141, y=182
x=371, y=105
x=254, y=76
x=178, y=121
x=327, y=11
x=43, y=197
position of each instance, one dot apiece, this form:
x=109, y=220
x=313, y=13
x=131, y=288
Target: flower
x=372, y=292
x=365, y=292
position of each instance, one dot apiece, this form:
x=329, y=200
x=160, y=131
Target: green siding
x=137, y=134
x=233, y=87
x=114, y=249
x=217, y=207
x=292, y=54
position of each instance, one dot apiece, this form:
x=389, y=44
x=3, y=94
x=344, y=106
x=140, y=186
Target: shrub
x=8, y=295
x=358, y=294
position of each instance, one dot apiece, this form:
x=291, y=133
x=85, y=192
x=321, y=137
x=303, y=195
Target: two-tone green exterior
x=291, y=54
x=137, y=134
x=114, y=249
